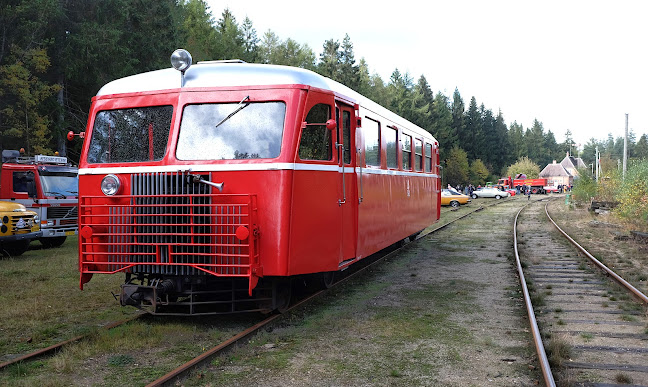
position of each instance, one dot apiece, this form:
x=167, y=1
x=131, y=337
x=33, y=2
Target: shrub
x=632, y=195
x=584, y=187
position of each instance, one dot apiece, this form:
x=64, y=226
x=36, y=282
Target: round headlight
x=181, y=59
x=110, y=185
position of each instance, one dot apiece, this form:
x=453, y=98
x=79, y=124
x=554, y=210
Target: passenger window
x=315, y=143
x=392, y=150
x=428, y=157
x=346, y=133
x=418, y=158
x=372, y=142
x=407, y=152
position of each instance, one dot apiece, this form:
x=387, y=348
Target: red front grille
x=169, y=226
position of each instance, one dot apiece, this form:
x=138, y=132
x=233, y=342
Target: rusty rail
x=636, y=292
x=58, y=346
x=537, y=339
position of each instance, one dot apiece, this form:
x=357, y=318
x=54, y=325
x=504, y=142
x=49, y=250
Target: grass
x=558, y=350
x=42, y=303
x=376, y=340
x=587, y=336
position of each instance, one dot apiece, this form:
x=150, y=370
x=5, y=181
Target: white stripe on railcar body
x=250, y=167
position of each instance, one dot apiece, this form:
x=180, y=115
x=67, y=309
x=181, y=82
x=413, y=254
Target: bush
x=584, y=187
x=632, y=195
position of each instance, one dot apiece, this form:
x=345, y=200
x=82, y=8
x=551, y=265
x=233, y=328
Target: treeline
x=56, y=54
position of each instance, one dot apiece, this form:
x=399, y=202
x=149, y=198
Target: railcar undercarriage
x=205, y=295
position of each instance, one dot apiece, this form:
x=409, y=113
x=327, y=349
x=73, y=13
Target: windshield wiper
x=56, y=194
x=238, y=109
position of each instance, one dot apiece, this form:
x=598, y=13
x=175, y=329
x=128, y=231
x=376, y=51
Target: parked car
x=511, y=191
x=489, y=192
x=453, y=198
x=551, y=189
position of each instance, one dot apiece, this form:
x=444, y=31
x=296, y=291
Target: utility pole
x=597, y=161
x=625, y=148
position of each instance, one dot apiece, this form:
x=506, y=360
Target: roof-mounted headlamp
x=181, y=60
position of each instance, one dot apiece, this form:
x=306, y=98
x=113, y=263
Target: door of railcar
x=346, y=126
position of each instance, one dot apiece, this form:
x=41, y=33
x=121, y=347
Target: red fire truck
x=47, y=185
x=536, y=185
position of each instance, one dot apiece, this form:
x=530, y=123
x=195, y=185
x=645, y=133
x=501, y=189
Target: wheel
x=534, y=191
x=14, y=249
x=52, y=242
x=497, y=197
x=281, y=294
x=454, y=204
x=473, y=196
x=328, y=279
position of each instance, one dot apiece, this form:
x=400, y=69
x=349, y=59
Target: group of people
x=465, y=189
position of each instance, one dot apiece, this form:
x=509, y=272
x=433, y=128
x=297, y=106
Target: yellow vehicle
x=18, y=227
x=453, y=198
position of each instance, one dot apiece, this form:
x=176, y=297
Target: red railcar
x=211, y=190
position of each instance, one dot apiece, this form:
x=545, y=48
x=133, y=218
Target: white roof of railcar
x=224, y=74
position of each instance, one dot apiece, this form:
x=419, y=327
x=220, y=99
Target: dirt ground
x=445, y=312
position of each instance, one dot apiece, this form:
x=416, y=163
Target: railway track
x=181, y=372
x=590, y=330
x=54, y=348
x=449, y=217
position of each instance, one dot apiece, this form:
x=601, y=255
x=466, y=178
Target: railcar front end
x=212, y=190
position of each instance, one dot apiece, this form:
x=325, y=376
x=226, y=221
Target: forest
x=56, y=54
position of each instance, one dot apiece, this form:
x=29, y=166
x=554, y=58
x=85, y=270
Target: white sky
x=572, y=64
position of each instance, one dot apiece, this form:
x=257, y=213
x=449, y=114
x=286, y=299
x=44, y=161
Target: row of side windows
x=373, y=131
x=316, y=143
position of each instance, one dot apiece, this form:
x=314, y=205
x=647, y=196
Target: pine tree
x=364, y=79
x=250, y=41
x=641, y=148
x=198, y=30
x=349, y=71
x=330, y=60
x=501, y=152
x=535, y=142
x=516, y=141
x=230, y=38
x=458, y=117
x=469, y=137
x=442, y=125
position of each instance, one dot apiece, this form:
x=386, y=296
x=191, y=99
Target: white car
x=489, y=192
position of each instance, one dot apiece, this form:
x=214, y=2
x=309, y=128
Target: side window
x=428, y=157
x=24, y=182
x=392, y=150
x=371, y=130
x=315, y=143
x=418, y=158
x=346, y=133
x=407, y=152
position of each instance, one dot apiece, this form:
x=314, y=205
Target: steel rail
x=55, y=347
x=177, y=374
x=537, y=339
x=636, y=292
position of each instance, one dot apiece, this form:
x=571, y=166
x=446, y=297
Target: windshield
x=64, y=184
x=228, y=131
x=130, y=135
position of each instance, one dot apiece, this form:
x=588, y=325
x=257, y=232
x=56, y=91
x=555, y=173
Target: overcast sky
x=577, y=65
